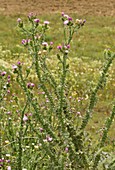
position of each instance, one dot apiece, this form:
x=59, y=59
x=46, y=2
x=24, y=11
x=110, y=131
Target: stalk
x=94, y=93
x=108, y=124
x=45, y=125
x=19, y=161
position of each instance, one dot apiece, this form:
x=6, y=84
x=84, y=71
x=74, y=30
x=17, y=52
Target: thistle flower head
x=30, y=85
x=46, y=22
x=3, y=73
x=59, y=47
x=19, y=20
x=36, y=20
x=66, y=149
x=18, y=63
x=66, y=22
x=62, y=14
x=45, y=44
x=25, y=41
x=31, y=16
x=25, y=118
x=14, y=67
x=20, y=23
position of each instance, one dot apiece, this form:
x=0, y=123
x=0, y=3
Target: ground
x=82, y=7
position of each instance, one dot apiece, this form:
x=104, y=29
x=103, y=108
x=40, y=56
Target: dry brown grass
x=82, y=7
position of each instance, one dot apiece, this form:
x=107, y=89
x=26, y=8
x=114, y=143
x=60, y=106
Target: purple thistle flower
x=68, y=46
x=20, y=23
x=66, y=22
x=32, y=84
x=9, y=76
x=43, y=92
x=66, y=16
x=46, y=22
x=8, y=113
x=25, y=118
x=31, y=15
x=19, y=63
x=45, y=44
x=23, y=41
x=30, y=114
x=51, y=43
x=14, y=67
x=41, y=129
x=29, y=85
x=8, y=91
x=9, y=168
x=84, y=20
x=69, y=18
x=8, y=80
x=78, y=113
x=47, y=101
x=59, y=47
x=8, y=161
x=49, y=139
x=3, y=73
x=66, y=149
x=19, y=20
x=36, y=20
x=1, y=160
x=62, y=13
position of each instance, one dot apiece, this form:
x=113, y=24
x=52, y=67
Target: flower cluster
x=48, y=139
x=20, y=22
x=31, y=16
x=5, y=161
x=47, y=46
x=3, y=73
x=27, y=117
x=6, y=82
x=30, y=85
x=80, y=22
x=64, y=48
x=25, y=42
x=15, y=68
x=67, y=20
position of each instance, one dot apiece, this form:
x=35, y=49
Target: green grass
x=86, y=56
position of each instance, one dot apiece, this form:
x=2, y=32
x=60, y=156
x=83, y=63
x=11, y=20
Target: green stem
x=19, y=162
x=108, y=124
x=62, y=90
x=36, y=109
x=107, y=127
x=94, y=93
x=50, y=79
x=37, y=67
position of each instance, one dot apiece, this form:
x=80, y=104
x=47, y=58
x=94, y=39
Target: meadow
x=35, y=133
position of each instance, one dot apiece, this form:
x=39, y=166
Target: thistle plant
x=42, y=134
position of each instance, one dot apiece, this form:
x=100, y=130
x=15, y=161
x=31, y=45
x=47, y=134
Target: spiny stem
x=94, y=93
x=19, y=165
x=108, y=124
